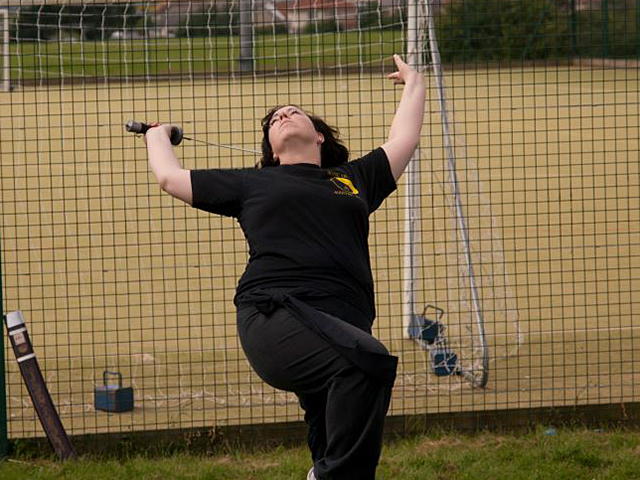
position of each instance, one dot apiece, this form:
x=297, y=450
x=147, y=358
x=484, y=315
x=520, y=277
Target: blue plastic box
x=113, y=398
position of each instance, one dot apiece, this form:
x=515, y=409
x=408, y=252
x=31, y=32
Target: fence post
x=245, y=62
x=574, y=28
x=412, y=194
x=4, y=434
x=638, y=29
x=605, y=28
x=6, y=56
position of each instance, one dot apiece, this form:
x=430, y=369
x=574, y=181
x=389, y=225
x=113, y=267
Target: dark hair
x=332, y=151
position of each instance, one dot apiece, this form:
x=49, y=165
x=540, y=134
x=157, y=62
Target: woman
x=305, y=301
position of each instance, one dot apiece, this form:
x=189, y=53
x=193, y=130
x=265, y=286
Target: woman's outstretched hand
x=405, y=73
x=404, y=134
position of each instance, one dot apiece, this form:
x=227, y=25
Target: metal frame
x=444, y=114
x=6, y=58
x=411, y=177
x=411, y=321
x=4, y=434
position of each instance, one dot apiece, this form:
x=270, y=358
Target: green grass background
x=565, y=454
x=197, y=56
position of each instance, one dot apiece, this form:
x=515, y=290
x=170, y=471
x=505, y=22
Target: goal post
x=412, y=199
x=6, y=57
x=245, y=60
x=4, y=436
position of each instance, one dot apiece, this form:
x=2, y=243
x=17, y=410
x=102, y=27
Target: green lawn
x=570, y=454
x=210, y=55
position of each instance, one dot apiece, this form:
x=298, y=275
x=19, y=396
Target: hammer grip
x=139, y=127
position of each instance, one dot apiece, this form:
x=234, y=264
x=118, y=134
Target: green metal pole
x=534, y=35
x=4, y=436
x=638, y=29
x=605, y=28
x=574, y=28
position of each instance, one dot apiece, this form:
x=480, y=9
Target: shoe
x=310, y=475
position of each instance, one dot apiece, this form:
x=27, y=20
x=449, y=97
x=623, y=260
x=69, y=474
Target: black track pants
x=344, y=408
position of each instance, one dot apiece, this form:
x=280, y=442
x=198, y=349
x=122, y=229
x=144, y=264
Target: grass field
x=544, y=454
x=150, y=58
x=112, y=275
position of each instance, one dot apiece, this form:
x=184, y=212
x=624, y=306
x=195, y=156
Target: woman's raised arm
x=173, y=179
x=404, y=134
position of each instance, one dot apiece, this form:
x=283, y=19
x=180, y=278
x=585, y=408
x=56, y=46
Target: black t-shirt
x=307, y=228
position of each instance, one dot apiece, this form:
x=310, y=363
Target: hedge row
x=481, y=30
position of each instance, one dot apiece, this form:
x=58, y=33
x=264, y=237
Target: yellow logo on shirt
x=345, y=185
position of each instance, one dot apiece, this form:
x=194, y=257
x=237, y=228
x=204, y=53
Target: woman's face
x=291, y=123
